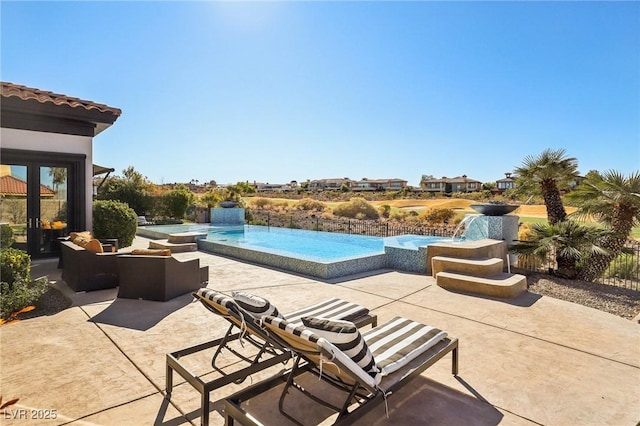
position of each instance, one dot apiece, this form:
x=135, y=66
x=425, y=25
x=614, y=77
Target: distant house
x=329, y=184
x=379, y=184
x=277, y=187
x=503, y=184
x=447, y=185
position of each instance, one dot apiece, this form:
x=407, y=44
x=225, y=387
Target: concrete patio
x=525, y=361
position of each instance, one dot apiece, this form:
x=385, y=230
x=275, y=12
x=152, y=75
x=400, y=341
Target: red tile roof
x=10, y=185
x=26, y=93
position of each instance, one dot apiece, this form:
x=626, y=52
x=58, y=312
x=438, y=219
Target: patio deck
x=525, y=361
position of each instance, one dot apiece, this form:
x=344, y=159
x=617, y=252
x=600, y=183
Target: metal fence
x=624, y=270
x=354, y=226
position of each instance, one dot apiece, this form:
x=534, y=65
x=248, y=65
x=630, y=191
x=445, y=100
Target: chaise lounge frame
x=247, y=329
x=307, y=358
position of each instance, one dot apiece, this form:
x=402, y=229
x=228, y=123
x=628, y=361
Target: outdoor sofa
x=158, y=277
x=87, y=270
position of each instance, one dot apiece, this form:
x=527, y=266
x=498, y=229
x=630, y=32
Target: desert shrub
x=384, y=210
x=624, y=266
x=261, y=203
x=525, y=232
x=310, y=204
x=435, y=216
x=282, y=206
x=14, y=265
x=357, y=208
x=399, y=215
x=6, y=236
x=113, y=219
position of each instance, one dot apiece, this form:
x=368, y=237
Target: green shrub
x=113, y=219
x=14, y=265
x=176, y=201
x=135, y=193
x=22, y=293
x=310, y=204
x=357, y=208
x=6, y=236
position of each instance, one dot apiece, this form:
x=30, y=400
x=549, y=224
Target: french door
x=40, y=201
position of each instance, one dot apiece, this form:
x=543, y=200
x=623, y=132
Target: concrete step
x=481, y=267
x=174, y=247
x=186, y=237
x=501, y=284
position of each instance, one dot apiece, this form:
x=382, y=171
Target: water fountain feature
x=468, y=218
x=480, y=226
x=227, y=217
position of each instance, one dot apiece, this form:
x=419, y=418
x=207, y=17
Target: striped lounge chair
x=244, y=312
x=367, y=367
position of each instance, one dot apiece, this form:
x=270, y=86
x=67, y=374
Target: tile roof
x=42, y=96
x=10, y=185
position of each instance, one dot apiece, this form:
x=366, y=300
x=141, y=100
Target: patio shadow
x=422, y=401
x=425, y=401
x=524, y=300
x=139, y=314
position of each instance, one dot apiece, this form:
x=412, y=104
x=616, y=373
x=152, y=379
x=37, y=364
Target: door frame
x=76, y=185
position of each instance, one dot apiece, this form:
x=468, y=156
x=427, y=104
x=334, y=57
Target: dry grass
x=462, y=205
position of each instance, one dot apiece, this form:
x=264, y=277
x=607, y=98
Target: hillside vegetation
x=458, y=204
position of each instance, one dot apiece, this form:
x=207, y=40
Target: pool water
x=301, y=244
x=316, y=246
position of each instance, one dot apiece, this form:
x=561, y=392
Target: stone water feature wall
x=231, y=216
x=504, y=228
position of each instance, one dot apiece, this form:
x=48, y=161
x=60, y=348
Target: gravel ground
x=618, y=301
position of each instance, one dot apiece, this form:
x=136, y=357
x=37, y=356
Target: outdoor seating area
x=526, y=360
x=152, y=274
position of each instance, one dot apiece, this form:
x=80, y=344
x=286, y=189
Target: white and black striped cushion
x=297, y=330
x=345, y=336
x=399, y=341
x=212, y=297
x=256, y=306
x=337, y=309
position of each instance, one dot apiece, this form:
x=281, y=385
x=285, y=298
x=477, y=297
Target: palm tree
x=614, y=200
x=548, y=173
x=570, y=242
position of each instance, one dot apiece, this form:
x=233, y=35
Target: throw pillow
x=151, y=252
x=94, y=246
x=256, y=306
x=345, y=336
x=84, y=234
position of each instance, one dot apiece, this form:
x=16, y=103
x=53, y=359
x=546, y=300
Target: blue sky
x=281, y=91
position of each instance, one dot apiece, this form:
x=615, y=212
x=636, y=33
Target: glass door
x=38, y=204
x=50, y=222
x=13, y=204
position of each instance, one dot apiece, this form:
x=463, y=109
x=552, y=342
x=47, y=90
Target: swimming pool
x=316, y=253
